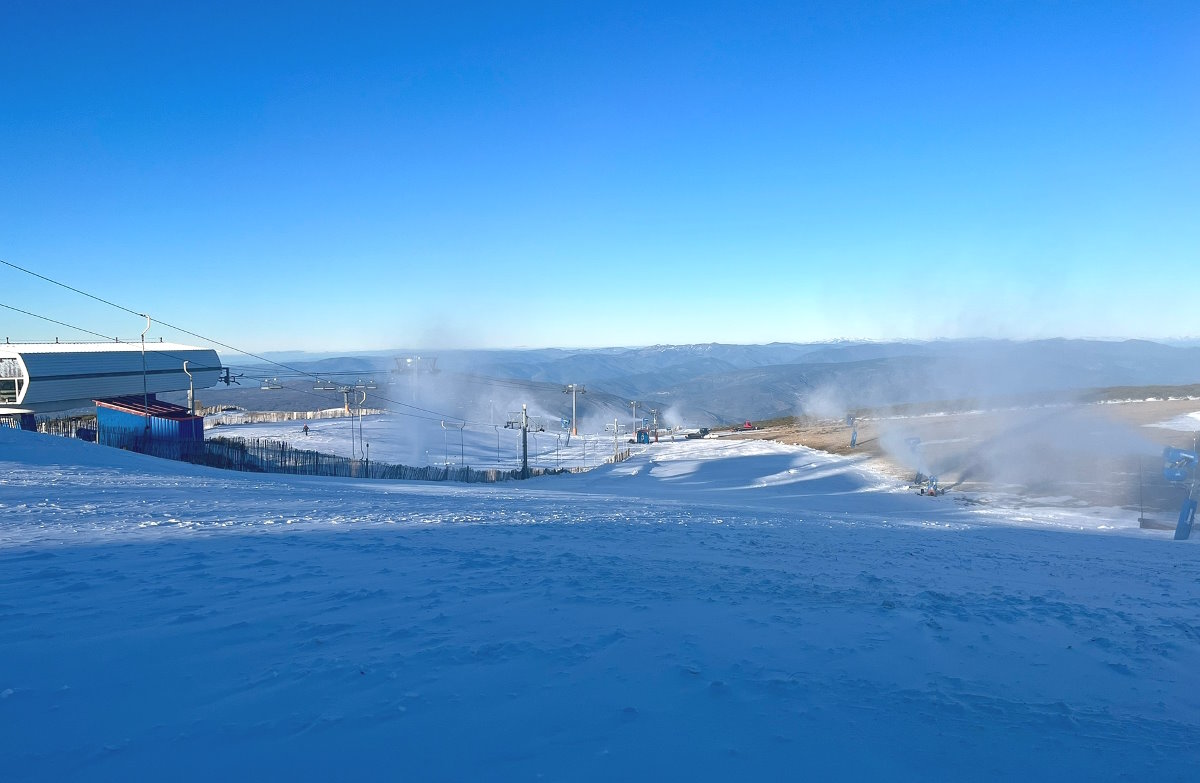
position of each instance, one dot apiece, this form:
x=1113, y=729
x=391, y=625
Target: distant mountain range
x=718, y=383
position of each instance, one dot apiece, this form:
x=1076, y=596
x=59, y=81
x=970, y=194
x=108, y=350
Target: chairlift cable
x=207, y=339
x=60, y=323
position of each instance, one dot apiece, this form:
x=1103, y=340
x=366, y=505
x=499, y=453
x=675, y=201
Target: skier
x=306, y=430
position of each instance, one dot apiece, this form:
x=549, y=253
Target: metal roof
x=157, y=408
x=92, y=347
x=59, y=376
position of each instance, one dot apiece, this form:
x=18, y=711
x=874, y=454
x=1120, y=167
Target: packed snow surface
x=1189, y=422
x=705, y=610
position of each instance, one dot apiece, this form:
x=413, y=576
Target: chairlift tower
x=413, y=367
x=522, y=421
x=574, y=389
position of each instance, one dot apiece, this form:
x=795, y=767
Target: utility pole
x=654, y=414
x=574, y=389
x=633, y=405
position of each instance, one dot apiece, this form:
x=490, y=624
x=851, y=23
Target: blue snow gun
x=1178, y=465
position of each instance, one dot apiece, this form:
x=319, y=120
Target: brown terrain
x=1100, y=454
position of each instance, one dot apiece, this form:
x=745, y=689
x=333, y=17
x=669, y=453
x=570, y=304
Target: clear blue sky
x=337, y=176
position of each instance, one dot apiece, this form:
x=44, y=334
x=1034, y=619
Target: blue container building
x=125, y=421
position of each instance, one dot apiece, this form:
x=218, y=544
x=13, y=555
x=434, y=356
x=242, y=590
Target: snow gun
x=1179, y=466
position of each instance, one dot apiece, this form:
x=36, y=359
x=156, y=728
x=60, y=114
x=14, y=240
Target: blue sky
x=329, y=176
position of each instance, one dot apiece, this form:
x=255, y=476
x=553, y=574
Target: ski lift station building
x=47, y=377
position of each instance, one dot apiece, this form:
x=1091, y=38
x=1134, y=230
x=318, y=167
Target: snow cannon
x=1178, y=465
x=1187, y=515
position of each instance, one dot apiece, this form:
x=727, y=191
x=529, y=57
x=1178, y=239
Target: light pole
x=360, y=410
x=145, y=388
x=191, y=390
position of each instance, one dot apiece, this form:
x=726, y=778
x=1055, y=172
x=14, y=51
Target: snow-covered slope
x=706, y=610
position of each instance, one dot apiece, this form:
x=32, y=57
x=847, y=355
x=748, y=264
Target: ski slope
x=412, y=441
x=706, y=610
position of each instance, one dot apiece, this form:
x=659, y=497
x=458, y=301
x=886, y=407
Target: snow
x=1189, y=422
x=415, y=441
x=707, y=609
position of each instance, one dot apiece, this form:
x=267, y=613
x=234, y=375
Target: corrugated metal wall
x=119, y=428
x=97, y=375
